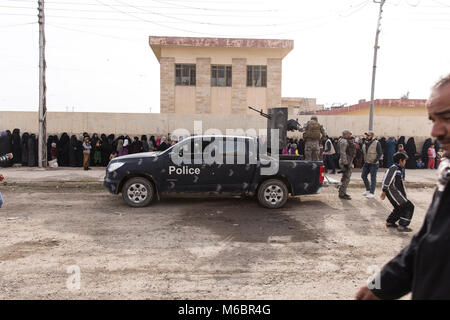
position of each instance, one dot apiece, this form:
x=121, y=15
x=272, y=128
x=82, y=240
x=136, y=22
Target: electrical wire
x=153, y=7
x=17, y=25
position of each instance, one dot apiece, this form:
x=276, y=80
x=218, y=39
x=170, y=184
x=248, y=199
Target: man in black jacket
x=423, y=267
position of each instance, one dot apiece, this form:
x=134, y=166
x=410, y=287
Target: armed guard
x=347, y=152
x=313, y=132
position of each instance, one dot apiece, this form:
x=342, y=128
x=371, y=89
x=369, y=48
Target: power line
x=109, y=11
x=359, y=8
x=199, y=8
x=136, y=17
x=157, y=7
x=17, y=25
x=91, y=32
x=442, y=4
x=159, y=14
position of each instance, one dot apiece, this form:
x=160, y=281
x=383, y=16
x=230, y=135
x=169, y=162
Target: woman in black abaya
x=32, y=152
x=79, y=152
x=411, y=150
x=425, y=147
x=16, y=146
x=400, y=141
x=5, y=146
x=73, y=151
x=24, y=147
x=383, y=150
x=63, y=150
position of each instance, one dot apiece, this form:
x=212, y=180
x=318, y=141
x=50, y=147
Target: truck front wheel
x=138, y=192
x=272, y=194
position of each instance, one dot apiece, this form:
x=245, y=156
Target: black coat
x=25, y=137
x=73, y=151
x=5, y=147
x=422, y=267
x=384, y=150
x=411, y=150
x=400, y=141
x=79, y=153
x=425, y=147
x=32, y=151
x=63, y=146
x=16, y=146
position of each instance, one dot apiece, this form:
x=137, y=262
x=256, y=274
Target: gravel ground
x=317, y=247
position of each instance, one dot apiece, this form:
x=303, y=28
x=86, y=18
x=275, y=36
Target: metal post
x=42, y=144
x=375, y=64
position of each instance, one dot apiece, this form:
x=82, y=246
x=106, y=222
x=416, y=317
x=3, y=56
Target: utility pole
x=372, y=93
x=42, y=145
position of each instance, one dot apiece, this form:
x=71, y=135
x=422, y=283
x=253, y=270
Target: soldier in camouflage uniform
x=347, y=152
x=313, y=132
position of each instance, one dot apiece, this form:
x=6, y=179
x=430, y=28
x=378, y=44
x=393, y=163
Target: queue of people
x=85, y=151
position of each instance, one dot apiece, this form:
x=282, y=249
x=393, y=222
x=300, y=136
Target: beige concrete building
x=218, y=75
x=299, y=106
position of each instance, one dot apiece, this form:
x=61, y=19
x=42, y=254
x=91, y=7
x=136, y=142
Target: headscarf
x=119, y=145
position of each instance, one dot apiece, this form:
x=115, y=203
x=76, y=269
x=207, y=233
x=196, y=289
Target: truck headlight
x=114, y=166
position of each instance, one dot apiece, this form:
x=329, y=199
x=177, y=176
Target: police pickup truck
x=215, y=165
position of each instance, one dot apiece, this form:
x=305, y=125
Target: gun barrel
x=265, y=115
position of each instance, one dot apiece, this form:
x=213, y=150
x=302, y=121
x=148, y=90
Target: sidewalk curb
x=99, y=185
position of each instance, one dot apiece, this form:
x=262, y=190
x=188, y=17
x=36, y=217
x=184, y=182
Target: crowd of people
x=428, y=157
x=72, y=151
x=94, y=150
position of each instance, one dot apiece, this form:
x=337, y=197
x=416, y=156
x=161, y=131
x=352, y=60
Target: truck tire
x=138, y=192
x=272, y=194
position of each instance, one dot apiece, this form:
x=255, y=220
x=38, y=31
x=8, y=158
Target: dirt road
x=317, y=247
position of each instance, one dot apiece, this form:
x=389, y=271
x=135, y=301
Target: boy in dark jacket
x=422, y=267
x=394, y=190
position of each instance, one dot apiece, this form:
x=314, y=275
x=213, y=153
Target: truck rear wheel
x=272, y=194
x=138, y=192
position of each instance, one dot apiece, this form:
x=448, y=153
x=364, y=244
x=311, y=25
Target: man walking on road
x=347, y=151
x=313, y=132
x=423, y=266
x=372, y=153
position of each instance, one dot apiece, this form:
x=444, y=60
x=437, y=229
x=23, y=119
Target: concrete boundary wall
x=158, y=124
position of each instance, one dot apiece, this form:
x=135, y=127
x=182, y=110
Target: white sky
x=99, y=59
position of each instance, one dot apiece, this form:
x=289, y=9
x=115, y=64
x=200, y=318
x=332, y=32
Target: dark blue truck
x=215, y=165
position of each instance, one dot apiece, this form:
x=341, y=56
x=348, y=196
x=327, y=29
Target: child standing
x=431, y=157
x=394, y=190
x=86, y=153
x=97, y=154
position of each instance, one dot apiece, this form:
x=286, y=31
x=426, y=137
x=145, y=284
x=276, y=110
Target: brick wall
x=167, y=80
x=273, y=93
x=203, y=86
x=239, y=86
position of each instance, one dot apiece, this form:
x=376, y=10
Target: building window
x=220, y=76
x=256, y=76
x=185, y=74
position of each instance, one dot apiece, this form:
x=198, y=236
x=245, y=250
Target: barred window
x=256, y=76
x=185, y=74
x=220, y=76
